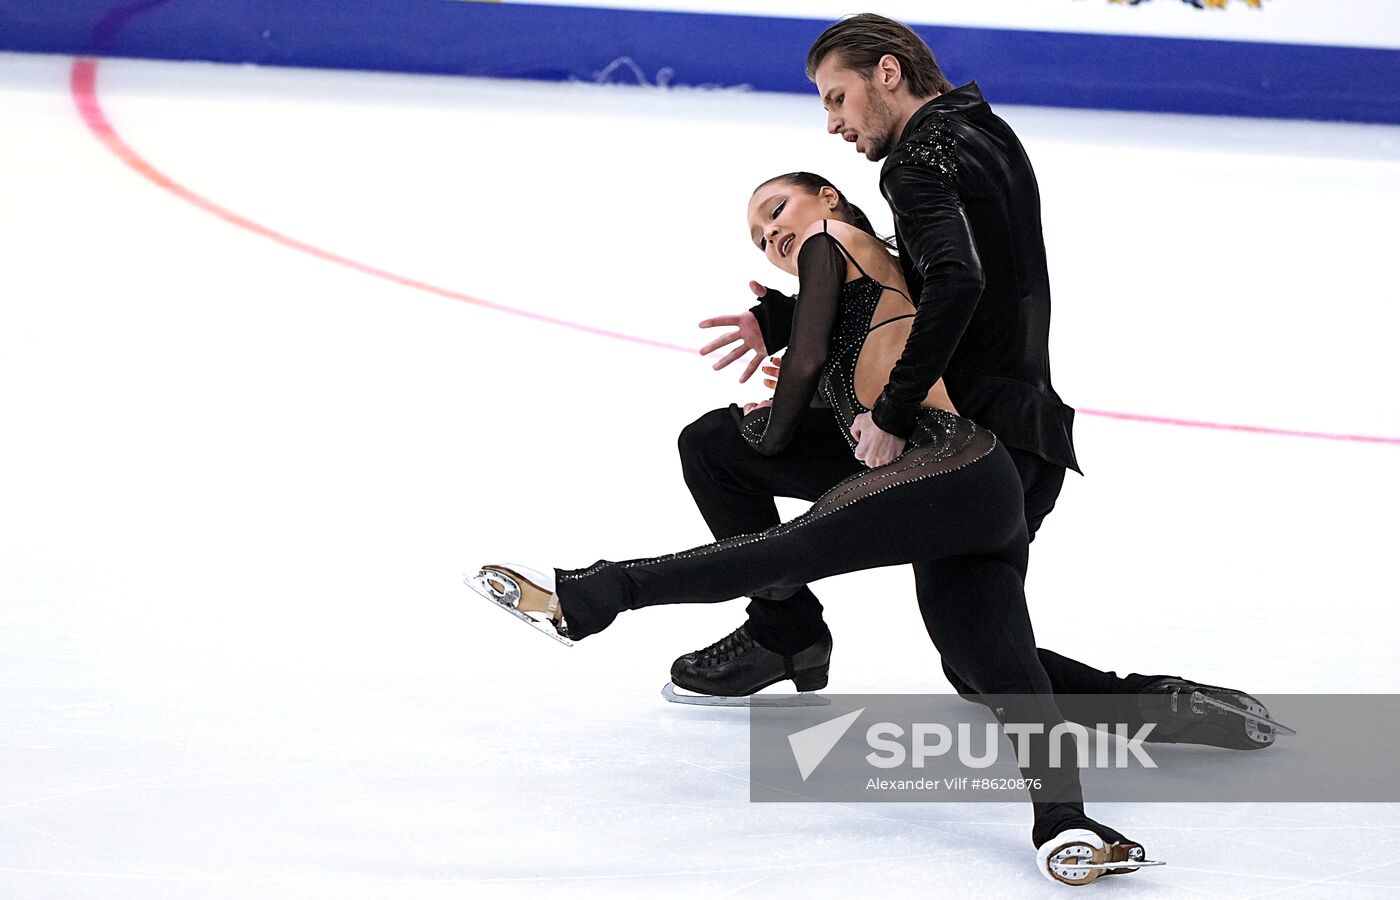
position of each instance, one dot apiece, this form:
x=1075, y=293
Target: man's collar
x=958, y=100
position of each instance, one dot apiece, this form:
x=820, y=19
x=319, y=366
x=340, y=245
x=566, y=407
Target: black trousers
x=734, y=487
x=960, y=520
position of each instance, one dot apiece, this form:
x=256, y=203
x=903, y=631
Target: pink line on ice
x=1226, y=426
x=84, y=88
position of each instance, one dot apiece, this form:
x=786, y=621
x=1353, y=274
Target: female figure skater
x=954, y=493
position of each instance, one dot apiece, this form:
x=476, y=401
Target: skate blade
x=478, y=583
x=1126, y=864
x=1078, y=862
x=686, y=698
x=1257, y=719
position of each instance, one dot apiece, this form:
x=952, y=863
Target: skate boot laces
x=736, y=643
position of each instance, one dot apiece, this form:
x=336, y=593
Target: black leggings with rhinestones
x=959, y=513
x=931, y=504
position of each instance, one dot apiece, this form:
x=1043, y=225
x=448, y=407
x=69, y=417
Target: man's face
x=856, y=108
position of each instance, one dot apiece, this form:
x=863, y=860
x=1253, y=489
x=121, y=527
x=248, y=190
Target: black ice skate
x=520, y=591
x=730, y=670
x=1191, y=713
x=1077, y=856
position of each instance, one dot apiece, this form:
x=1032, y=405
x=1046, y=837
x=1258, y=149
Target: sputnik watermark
x=931, y=740
x=889, y=753
x=913, y=748
x=906, y=747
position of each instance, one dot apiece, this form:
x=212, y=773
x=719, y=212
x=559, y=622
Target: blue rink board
x=765, y=53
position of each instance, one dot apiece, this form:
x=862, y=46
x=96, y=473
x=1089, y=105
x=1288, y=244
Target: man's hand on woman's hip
x=874, y=446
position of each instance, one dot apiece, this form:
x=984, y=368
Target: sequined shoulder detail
x=933, y=146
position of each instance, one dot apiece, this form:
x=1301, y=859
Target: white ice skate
x=519, y=591
x=681, y=695
x=1078, y=856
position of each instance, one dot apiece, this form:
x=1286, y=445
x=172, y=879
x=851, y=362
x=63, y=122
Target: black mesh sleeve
x=938, y=239
x=774, y=315
x=821, y=270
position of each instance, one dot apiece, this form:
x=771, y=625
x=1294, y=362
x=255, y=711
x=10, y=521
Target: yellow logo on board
x=1200, y=4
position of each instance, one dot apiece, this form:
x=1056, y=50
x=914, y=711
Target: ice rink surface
x=240, y=482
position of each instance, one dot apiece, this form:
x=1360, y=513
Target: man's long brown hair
x=859, y=41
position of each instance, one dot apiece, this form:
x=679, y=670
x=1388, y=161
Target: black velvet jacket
x=967, y=217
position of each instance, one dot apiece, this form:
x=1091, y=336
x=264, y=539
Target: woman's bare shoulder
x=819, y=226
x=850, y=236
x=866, y=247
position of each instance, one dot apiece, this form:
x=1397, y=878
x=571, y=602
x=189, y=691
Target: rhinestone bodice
x=858, y=301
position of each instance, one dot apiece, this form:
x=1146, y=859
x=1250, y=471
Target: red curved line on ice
x=84, y=88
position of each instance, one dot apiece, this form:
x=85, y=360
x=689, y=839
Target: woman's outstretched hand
x=747, y=333
x=874, y=446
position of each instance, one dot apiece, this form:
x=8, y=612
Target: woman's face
x=781, y=213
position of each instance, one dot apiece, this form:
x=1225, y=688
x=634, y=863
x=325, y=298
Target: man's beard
x=880, y=125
